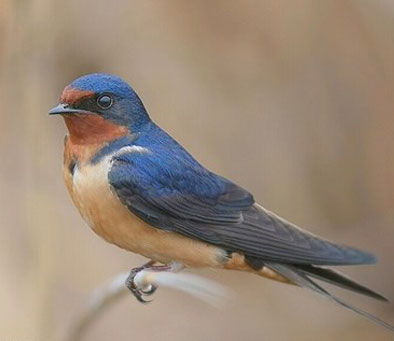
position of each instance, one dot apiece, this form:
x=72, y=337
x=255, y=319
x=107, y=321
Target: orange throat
x=92, y=129
x=88, y=134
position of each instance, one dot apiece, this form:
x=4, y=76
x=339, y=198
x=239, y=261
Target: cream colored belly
x=110, y=219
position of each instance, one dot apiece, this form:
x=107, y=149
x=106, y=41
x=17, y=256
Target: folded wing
x=179, y=195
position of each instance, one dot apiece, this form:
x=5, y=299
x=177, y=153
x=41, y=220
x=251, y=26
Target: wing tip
x=380, y=298
x=359, y=257
x=336, y=278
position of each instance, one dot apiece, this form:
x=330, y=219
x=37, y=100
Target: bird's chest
x=108, y=217
x=91, y=193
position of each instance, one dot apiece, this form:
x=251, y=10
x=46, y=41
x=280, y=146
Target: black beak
x=64, y=108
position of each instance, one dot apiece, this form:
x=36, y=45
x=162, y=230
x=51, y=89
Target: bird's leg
x=139, y=293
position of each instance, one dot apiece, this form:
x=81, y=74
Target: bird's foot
x=138, y=292
x=150, y=290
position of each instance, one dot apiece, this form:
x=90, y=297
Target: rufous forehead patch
x=72, y=95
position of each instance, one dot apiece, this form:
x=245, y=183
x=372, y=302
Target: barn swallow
x=141, y=190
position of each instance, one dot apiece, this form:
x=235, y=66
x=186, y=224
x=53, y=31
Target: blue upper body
x=168, y=188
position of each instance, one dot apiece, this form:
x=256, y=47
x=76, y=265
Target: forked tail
x=300, y=275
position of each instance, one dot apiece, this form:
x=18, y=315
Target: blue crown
x=102, y=82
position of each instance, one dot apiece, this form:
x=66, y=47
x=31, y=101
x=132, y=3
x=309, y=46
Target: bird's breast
x=91, y=193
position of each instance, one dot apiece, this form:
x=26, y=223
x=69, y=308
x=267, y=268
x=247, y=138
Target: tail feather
x=339, y=279
x=300, y=277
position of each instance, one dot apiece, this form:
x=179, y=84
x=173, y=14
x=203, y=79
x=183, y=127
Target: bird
x=139, y=189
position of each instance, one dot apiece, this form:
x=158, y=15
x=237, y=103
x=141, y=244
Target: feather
x=170, y=190
x=336, y=278
x=300, y=278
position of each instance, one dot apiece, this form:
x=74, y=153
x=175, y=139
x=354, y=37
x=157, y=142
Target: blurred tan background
x=291, y=99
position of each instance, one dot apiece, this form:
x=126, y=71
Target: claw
x=138, y=293
x=150, y=289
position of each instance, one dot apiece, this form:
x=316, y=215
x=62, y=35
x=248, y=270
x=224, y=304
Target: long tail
x=300, y=275
x=338, y=279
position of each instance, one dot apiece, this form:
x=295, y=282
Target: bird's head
x=100, y=107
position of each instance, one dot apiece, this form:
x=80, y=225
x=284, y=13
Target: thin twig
x=105, y=296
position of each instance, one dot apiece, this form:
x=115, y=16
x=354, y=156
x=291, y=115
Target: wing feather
x=179, y=195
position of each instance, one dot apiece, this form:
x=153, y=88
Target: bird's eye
x=104, y=101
